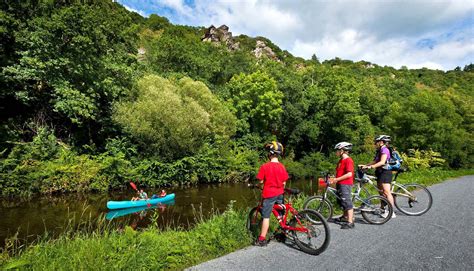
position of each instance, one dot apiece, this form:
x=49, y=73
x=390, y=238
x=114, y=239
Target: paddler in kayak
x=162, y=194
x=142, y=195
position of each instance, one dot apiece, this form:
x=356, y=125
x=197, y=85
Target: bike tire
x=254, y=222
x=316, y=240
x=372, y=211
x=320, y=205
x=413, y=199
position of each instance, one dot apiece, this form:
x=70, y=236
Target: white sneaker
x=385, y=214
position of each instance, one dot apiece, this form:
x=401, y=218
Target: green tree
x=72, y=64
x=172, y=118
x=257, y=102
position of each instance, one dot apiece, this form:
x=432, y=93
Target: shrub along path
x=439, y=239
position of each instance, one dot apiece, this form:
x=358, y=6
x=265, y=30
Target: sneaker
x=385, y=214
x=261, y=243
x=341, y=219
x=346, y=226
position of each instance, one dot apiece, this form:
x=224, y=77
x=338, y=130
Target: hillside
x=89, y=101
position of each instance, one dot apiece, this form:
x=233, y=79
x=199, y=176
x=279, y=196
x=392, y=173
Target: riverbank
x=157, y=249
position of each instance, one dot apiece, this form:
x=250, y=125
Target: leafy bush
x=172, y=119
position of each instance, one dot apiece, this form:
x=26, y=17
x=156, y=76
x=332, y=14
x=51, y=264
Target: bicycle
x=307, y=228
x=410, y=199
x=371, y=208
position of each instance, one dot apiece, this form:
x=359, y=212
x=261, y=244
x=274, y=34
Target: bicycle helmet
x=343, y=146
x=274, y=148
x=384, y=138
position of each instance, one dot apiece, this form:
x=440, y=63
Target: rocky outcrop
x=220, y=35
x=261, y=49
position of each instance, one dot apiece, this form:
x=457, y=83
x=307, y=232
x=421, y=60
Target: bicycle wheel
x=320, y=205
x=254, y=222
x=413, y=199
x=373, y=212
x=312, y=238
x=312, y=232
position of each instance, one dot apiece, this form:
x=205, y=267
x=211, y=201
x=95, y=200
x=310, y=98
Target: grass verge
x=151, y=249
x=155, y=249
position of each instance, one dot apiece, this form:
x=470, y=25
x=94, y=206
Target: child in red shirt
x=273, y=176
x=344, y=181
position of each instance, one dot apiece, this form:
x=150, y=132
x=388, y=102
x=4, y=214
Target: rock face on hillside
x=220, y=35
x=261, y=49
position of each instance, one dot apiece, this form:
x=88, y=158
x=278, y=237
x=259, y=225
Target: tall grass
x=151, y=249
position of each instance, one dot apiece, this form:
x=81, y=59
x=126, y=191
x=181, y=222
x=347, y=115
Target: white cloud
x=179, y=6
x=382, y=32
x=141, y=12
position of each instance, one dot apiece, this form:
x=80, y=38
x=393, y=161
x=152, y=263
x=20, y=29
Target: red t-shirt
x=344, y=166
x=274, y=176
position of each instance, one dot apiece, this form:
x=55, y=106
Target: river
x=51, y=215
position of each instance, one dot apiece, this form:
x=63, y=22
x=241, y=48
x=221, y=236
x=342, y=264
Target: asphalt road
x=441, y=239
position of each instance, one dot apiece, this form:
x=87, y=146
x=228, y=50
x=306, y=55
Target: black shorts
x=268, y=205
x=383, y=175
x=344, y=192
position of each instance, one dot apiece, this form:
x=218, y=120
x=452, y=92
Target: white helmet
x=384, y=138
x=343, y=146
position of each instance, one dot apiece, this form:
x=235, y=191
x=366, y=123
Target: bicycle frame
x=355, y=196
x=282, y=220
x=393, y=184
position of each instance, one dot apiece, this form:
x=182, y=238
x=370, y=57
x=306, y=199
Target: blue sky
x=437, y=34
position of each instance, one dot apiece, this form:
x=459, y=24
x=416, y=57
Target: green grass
x=154, y=249
x=429, y=177
x=151, y=249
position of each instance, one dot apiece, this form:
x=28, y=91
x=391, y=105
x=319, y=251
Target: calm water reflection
x=52, y=214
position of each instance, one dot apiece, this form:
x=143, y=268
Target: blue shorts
x=268, y=203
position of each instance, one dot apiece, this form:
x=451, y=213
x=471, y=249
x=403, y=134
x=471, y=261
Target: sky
x=436, y=34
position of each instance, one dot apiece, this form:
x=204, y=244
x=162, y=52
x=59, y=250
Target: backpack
x=395, y=161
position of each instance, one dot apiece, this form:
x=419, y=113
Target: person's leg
x=350, y=215
x=267, y=207
x=265, y=226
x=387, y=193
x=346, y=203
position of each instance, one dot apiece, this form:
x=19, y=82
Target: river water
x=34, y=217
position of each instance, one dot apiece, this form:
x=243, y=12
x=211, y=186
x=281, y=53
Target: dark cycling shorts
x=383, y=175
x=268, y=205
x=345, y=193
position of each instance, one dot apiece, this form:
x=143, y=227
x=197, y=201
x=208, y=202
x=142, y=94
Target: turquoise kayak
x=131, y=204
x=123, y=212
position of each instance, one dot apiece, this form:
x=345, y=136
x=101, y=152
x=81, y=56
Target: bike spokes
x=376, y=210
x=413, y=199
x=310, y=237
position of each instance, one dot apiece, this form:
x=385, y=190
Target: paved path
x=442, y=239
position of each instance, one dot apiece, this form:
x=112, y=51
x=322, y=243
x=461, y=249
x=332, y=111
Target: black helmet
x=343, y=146
x=384, y=138
x=274, y=148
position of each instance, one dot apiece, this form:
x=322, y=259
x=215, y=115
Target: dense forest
x=93, y=95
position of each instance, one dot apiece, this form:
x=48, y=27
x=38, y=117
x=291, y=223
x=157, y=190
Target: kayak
x=123, y=212
x=138, y=203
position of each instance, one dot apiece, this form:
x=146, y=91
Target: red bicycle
x=307, y=228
